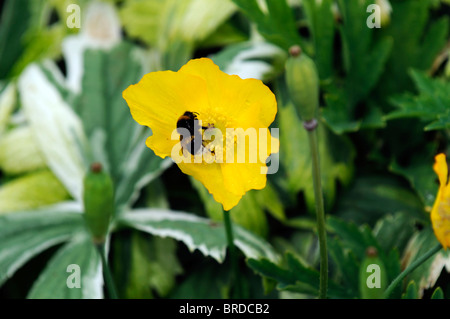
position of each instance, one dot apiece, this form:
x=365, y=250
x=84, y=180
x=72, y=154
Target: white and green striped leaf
x=77, y=260
x=197, y=233
x=24, y=235
x=428, y=273
x=57, y=129
x=34, y=190
x=19, y=152
x=7, y=103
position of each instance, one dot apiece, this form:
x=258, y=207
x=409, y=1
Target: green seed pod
x=98, y=201
x=303, y=83
x=372, y=276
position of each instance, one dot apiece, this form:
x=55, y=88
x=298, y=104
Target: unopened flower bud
x=303, y=83
x=98, y=201
x=372, y=275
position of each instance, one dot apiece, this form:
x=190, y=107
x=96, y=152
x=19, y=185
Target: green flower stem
x=311, y=126
x=109, y=282
x=232, y=251
x=409, y=269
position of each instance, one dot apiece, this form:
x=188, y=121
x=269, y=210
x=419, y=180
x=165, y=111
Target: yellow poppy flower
x=225, y=104
x=440, y=214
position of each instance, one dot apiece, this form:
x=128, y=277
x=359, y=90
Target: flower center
x=205, y=134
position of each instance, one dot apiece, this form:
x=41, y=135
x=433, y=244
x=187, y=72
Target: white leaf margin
x=64, y=207
x=91, y=273
x=7, y=103
x=248, y=61
x=56, y=127
x=251, y=245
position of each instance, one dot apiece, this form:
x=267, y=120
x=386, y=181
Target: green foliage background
x=385, y=114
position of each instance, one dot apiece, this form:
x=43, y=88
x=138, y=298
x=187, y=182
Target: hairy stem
x=320, y=211
x=109, y=282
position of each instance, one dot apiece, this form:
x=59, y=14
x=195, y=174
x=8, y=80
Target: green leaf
x=150, y=264
x=226, y=35
x=56, y=281
x=24, y=235
x=250, y=211
x=427, y=274
x=321, y=25
x=443, y=122
x=355, y=238
x=347, y=266
x=418, y=39
x=199, y=18
x=360, y=203
x=411, y=291
x=268, y=269
x=141, y=19
x=419, y=173
x=275, y=22
x=205, y=281
x=177, y=53
x=196, y=232
x=8, y=99
x=393, y=268
x=336, y=157
x=42, y=37
x=251, y=59
x=156, y=195
x=31, y=191
x=15, y=20
x=250, y=214
x=103, y=111
x=394, y=231
x=41, y=44
x=141, y=167
x=57, y=129
x=431, y=105
x=438, y=293
x=269, y=199
x=19, y=152
x=164, y=265
x=294, y=276
x=101, y=106
x=214, y=210
x=364, y=58
x=374, y=118
x=302, y=244
x=159, y=23
x=337, y=115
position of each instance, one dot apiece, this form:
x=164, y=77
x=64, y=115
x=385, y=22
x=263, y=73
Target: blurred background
x=385, y=113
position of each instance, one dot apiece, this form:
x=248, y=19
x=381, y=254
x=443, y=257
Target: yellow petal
x=222, y=100
x=210, y=175
x=159, y=99
x=242, y=177
x=239, y=178
x=440, y=214
x=247, y=101
x=441, y=169
x=440, y=219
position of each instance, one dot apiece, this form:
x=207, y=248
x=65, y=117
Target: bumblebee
x=192, y=142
